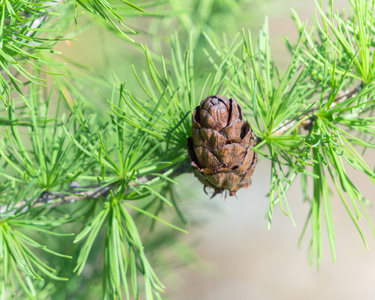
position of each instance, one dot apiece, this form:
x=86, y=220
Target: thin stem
x=57, y=198
x=77, y=193
x=306, y=121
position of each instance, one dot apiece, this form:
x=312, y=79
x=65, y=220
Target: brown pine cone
x=220, y=148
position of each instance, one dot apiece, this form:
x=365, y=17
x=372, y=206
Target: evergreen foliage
x=78, y=186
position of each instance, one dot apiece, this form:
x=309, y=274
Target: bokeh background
x=239, y=258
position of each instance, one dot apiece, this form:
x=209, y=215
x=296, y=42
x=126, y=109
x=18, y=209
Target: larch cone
x=221, y=146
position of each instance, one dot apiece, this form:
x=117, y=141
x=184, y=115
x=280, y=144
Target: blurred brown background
x=246, y=261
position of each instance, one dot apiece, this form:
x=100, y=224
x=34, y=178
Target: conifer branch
x=306, y=121
x=55, y=199
x=141, y=145
x=77, y=193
